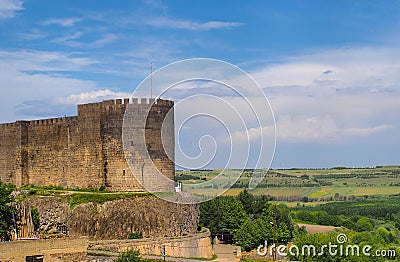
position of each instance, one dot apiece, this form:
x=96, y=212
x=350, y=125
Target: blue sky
x=330, y=69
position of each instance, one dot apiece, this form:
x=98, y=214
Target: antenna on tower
x=151, y=80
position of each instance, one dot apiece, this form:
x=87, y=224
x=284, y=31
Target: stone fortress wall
x=87, y=151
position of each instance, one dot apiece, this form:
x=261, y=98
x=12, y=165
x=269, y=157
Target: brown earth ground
x=317, y=228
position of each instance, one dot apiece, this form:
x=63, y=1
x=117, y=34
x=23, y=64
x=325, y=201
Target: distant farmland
x=301, y=185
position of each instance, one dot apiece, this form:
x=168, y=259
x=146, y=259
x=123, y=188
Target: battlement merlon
x=120, y=104
x=105, y=105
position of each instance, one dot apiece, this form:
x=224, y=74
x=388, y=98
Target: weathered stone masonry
x=86, y=150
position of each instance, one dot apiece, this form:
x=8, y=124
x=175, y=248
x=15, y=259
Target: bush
x=35, y=218
x=32, y=192
x=135, y=235
x=133, y=256
x=129, y=256
x=364, y=224
x=5, y=210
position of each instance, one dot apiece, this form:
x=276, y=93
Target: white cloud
x=366, y=67
x=9, y=8
x=108, y=38
x=49, y=105
x=253, y=134
x=297, y=73
x=141, y=17
x=56, y=103
x=69, y=37
x=32, y=60
x=191, y=25
x=319, y=99
x=69, y=40
x=334, y=95
x=33, y=34
x=29, y=75
x=65, y=22
x=158, y=4
x=304, y=128
x=93, y=96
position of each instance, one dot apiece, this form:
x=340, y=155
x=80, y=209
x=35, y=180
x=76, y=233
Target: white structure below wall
x=178, y=187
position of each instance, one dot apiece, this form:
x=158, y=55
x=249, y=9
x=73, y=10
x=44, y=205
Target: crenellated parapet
x=118, y=104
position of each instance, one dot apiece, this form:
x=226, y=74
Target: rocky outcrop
x=117, y=219
x=53, y=212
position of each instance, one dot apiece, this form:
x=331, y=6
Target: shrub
x=35, y=218
x=5, y=209
x=129, y=256
x=135, y=235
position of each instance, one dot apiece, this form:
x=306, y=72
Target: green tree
x=275, y=223
x=129, y=256
x=35, y=218
x=318, y=240
x=210, y=215
x=233, y=215
x=396, y=219
x=222, y=215
x=253, y=205
x=247, y=200
x=279, y=216
x=253, y=233
x=363, y=237
x=364, y=224
x=384, y=235
x=5, y=210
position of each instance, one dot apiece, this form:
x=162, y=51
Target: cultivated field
x=299, y=185
x=317, y=228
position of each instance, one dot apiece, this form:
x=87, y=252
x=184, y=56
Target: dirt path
x=225, y=253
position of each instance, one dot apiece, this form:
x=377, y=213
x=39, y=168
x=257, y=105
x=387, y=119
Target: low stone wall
x=59, y=249
x=193, y=246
